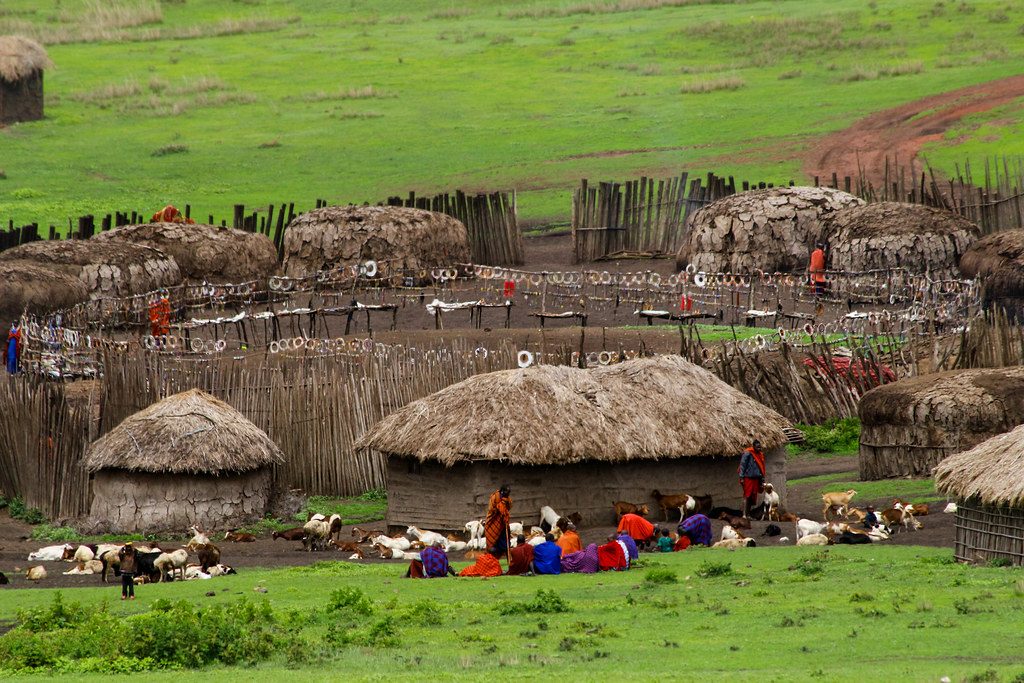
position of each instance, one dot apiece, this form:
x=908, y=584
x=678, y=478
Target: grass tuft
x=703, y=86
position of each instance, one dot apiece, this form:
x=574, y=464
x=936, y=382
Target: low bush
x=18, y=510
x=350, y=600
x=709, y=569
x=57, y=534
x=659, y=576
x=545, y=602
x=840, y=437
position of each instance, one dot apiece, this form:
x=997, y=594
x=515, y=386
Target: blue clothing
x=698, y=528
x=547, y=558
x=12, y=355
x=749, y=469
x=630, y=545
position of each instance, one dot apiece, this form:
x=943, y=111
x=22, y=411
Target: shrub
x=381, y=633
x=57, y=616
x=835, y=436
x=999, y=562
x=350, y=600
x=707, y=85
x=545, y=602
x=425, y=612
x=708, y=569
x=59, y=534
x=657, y=576
x=167, y=150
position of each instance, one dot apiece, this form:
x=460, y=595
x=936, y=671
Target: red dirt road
x=902, y=132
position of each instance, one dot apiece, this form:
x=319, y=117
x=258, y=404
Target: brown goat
x=208, y=555
x=734, y=521
x=238, y=537
x=677, y=501
x=295, y=534
x=623, y=508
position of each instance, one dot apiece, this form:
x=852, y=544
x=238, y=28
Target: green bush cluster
x=657, y=576
x=708, y=569
x=17, y=509
x=834, y=437
x=544, y=602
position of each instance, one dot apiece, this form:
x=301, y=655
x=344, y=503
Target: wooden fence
x=988, y=532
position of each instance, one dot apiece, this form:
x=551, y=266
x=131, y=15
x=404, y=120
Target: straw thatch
x=400, y=237
x=887, y=235
x=998, y=261
x=770, y=230
x=647, y=409
x=21, y=58
x=205, y=252
x=910, y=426
x=35, y=288
x=992, y=471
x=107, y=269
x=187, y=433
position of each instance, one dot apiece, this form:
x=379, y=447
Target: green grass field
x=844, y=614
x=220, y=101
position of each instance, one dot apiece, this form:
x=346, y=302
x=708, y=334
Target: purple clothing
x=633, y=552
x=698, y=528
x=581, y=562
x=547, y=558
x=435, y=563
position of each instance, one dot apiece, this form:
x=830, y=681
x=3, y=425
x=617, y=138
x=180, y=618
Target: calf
x=294, y=534
x=238, y=537
x=621, y=508
x=836, y=499
x=739, y=522
x=681, y=501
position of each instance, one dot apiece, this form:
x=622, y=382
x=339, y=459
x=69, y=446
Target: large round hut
x=910, y=426
x=205, y=252
x=188, y=459
x=28, y=287
x=770, y=230
x=22, y=62
x=400, y=238
x=988, y=482
x=574, y=439
x=998, y=261
x=889, y=235
x=107, y=269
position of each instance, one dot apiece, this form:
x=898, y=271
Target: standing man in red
x=752, y=475
x=816, y=269
x=499, y=513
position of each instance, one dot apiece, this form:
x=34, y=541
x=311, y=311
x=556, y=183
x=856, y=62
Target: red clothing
x=682, y=543
x=817, y=266
x=751, y=486
x=569, y=542
x=520, y=558
x=758, y=459
x=636, y=526
x=160, y=317
x=486, y=565
x=611, y=556
x=499, y=512
x=169, y=214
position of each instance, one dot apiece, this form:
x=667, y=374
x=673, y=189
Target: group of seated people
x=567, y=555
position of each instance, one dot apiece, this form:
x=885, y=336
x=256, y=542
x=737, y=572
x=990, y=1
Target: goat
x=789, y=517
x=475, y=529
x=363, y=536
x=208, y=555
x=772, y=501
x=950, y=508
x=515, y=529
x=734, y=543
x=856, y=514
x=394, y=554
x=814, y=539
x=837, y=499
x=294, y=534
x=238, y=537
x=320, y=531
x=548, y=518
x=51, y=553
x=37, y=573
x=808, y=527
x=682, y=501
x=716, y=513
x=737, y=522
x=398, y=542
x=221, y=570
x=425, y=537
x=87, y=567
x=454, y=546
x=171, y=563
x=621, y=508
x=84, y=553
x=347, y=546
x=198, y=537
x=729, y=532
x=850, y=537
x=772, y=530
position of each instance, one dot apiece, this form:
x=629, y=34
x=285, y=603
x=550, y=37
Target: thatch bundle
x=998, y=261
x=27, y=286
x=21, y=58
x=910, y=426
x=887, y=235
x=107, y=269
x=646, y=409
x=187, y=433
x=992, y=471
x=205, y=252
x=770, y=230
x=403, y=238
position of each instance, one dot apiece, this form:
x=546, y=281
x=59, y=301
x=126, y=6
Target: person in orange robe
x=637, y=527
x=569, y=541
x=486, y=565
x=499, y=513
x=169, y=214
x=816, y=268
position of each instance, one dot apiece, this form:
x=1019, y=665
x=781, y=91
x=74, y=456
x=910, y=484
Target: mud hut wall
x=431, y=496
x=988, y=532
x=134, y=502
x=21, y=100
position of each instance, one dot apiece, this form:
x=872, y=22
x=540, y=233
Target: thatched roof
x=187, y=433
x=106, y=268
x=398, y=236
x=21, y=58
x=205, y=252
x=998, y=260
x=646, y=409
x=893, y=235
x=992, y=471
x=25, y=285
x=770, y=230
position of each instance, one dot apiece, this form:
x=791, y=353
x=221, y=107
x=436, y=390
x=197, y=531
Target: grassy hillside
x=212, y=102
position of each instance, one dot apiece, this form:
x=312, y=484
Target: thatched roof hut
x=35, y=288
x=205, y=252
x=107, y=269
x=187, y=459
x=770, y=230
x=396, y=236
x=910, y=426
x=998, y=261
x=988, y=481
x=574, y=439
x=888, y=235
x=22, y=62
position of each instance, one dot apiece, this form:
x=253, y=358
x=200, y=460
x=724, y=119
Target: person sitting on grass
x=871, y=518
x=569, y=541
x=547, y=557
x=581, y=562
x=665, y=543
x=486, y=565
x=642, y=531
x=433, y=564
x=632, y=552
x=612, y=555
x=520, y=557
x=698, y=529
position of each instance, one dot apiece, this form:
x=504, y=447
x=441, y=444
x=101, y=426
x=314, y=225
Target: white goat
x=806, y=527
x=198, y=537
x=428, y=538
x=813, y=539
x=734, y=543
x=950, y=508
x=515, y=528
x=475, y=529
x=772, y=502
x=400, y=543
x=173, y=562
x=548, y=516
x=87, y=567
x=729, y=533
x=455, y=546
x=83, y=554
x=51, y=553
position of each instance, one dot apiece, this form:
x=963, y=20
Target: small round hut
x=887, y=235
x=107, y=269
x=910, y=426
x=400, y=237
x=29, y=287
x=998, y=261
x=988, y=483
x=573, y=439
x=188, y=459
x=771, y=230
x=22, y=62
x=205, y=252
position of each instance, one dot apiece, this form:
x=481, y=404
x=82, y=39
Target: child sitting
x=665, y=543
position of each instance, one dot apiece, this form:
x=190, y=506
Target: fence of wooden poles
x=988, y=532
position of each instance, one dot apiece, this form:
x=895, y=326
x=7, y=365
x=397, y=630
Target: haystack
x=188, y=459
x=573, y=439
x=205, y=252
x=988, y=482
x=396, y=236
x=771, y=230
x=908, y=427
x=888, y=235
x=22, y=62
x=998, y=261
x=107, y=269
x=33, y=288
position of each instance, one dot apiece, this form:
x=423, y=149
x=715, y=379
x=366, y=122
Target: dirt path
x=902, y=132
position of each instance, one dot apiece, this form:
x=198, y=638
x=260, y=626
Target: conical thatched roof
x=21, y=57
x=893, y=235
x=993, y=471
x=998, y=260
x=646, y=409
x=187, y=433
x=398, y=236
x=25, y=285
x=771, y=230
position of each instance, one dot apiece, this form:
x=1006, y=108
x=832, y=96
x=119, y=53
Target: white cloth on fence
x=437, y=305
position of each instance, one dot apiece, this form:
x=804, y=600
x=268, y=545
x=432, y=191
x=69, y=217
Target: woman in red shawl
x=486, y=565
x=499, y=513
x=752, y=473
x=611, y=555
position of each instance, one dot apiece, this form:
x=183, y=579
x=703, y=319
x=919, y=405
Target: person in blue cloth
x=13, y=348
x=547, y=557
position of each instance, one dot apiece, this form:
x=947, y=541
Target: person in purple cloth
x=581, y=562
x=698, y=529
x=433, y=564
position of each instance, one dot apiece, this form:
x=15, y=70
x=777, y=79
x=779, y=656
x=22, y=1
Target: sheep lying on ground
x=87, y=567
x=734, y=543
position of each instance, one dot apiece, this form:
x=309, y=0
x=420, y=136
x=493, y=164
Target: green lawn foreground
x=856, y=614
